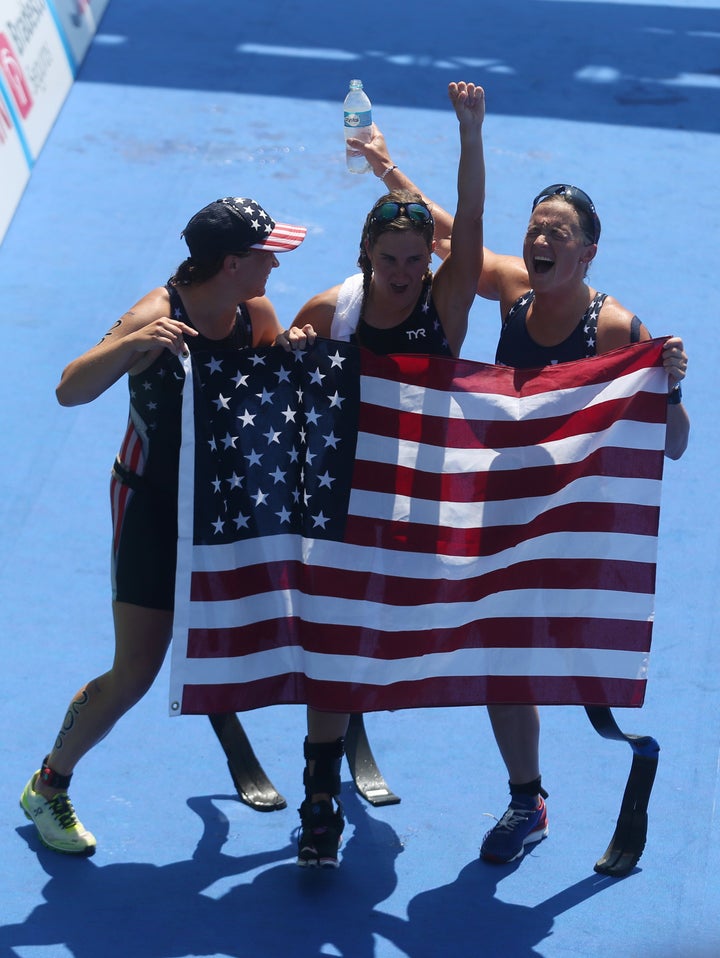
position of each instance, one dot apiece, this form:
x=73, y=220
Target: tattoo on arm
x=115, y=326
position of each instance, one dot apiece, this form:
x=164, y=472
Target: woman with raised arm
x=394, y=305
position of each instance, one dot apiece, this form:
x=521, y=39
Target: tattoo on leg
x=76, y=706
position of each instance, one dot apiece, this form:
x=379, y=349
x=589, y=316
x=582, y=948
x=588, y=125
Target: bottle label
x=356, y=120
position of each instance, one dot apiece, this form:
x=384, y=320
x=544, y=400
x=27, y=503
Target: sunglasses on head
x=417, y=213
x=578, y=197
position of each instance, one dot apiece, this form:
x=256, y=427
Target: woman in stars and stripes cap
x=216, y=299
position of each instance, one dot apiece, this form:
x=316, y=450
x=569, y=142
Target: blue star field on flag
x=295, y=442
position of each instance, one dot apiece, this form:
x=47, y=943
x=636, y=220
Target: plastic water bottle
x=358, y=123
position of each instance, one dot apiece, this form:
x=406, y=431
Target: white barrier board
x=78, y=21
x=42, y=44
x=14, y=165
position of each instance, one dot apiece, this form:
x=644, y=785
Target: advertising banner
x=42, y=44
x=35, y=68
x=14, y=164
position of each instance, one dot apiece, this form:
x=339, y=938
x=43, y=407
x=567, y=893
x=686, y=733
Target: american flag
x=360, y=533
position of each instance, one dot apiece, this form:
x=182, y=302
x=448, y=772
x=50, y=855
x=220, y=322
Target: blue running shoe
x=521, y=825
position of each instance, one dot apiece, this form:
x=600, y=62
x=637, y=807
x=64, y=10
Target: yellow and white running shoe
x=55, y=819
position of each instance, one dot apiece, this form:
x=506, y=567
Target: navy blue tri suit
x=421, y=332
x=518, y=349
x=144, y=481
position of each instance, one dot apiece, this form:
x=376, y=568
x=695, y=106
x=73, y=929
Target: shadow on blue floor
x=612, y=63
x=168, y=911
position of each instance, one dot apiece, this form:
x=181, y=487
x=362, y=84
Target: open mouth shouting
x=543, y=264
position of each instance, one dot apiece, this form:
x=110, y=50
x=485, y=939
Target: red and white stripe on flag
x=452, y=532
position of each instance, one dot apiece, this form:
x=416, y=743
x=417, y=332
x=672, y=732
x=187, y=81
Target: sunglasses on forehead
x=577, y=197
x=417, y=213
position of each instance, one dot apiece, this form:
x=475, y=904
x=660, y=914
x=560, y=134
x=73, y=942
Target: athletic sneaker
x=320, y=834
x=521, y=825
x=56, y=821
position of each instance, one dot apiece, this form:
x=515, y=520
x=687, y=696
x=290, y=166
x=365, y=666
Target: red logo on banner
x=14, y=77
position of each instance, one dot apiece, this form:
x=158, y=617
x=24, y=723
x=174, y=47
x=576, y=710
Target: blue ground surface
x=177, y=104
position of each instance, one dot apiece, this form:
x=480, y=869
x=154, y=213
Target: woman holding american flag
x=215, y=300
x=549, y=314
x=394, y=305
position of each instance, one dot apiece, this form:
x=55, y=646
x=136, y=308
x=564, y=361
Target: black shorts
x=144, y=549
